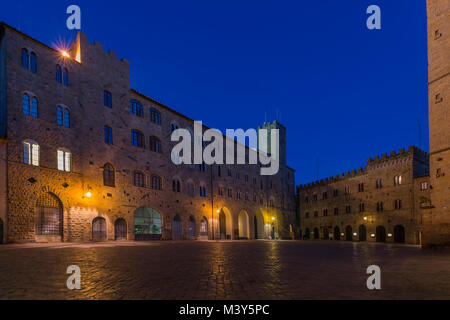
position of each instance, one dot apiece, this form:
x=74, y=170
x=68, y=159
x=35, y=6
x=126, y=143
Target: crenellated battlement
x=339, y=177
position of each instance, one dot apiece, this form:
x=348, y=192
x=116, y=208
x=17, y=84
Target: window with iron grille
x=155, y=144
x=49, y=213
x=139, y=179
x=156, y=182
x=109, y=175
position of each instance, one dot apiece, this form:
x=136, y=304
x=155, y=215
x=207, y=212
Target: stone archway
x=348, y=233
x=362, y=233
x=120, y=229
x=99, y=229
x=381, y=234
x=147, y=224
x=243, y=225
x=191, y=230
x=177, y=228
x=258, y=222
x=399, y=234
x=337, y=233
x=203, y=234
x=225, y=224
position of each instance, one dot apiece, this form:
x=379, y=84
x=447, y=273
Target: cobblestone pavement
x=223, y=270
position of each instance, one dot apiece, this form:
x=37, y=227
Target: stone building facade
x=84, y=157
x=384, y=201
x=437, y=223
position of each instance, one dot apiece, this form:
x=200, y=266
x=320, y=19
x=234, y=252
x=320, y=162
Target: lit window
x=31, y=153
x=64, y=160
x=424, y=185
x=397, y=180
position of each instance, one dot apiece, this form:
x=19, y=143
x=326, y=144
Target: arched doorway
x=243, y=225
x=316, y=234
x=99, y=229
x=204, y=228
x=225, y=224
x=147, y=224
x=49, y=216
x=399, y=234
x=1, y=231
x=177, y=229
x=307, y=234
x=259, y=226
x=326, y=234
x=348, y=233
x=120, y=229
x=337, y=233
x=381, y=234
x=191, y=228
x=362, y=233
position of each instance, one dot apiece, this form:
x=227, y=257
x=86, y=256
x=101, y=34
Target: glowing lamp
x=273, y=218
x=65, y=53
x=355, y=234
x=389, y=234
x=365, y=218
x=218, y=211
x=372, y=235
x=88, y=194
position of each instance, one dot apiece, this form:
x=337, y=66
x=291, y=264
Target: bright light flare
x=65, y=53
x=88, y=194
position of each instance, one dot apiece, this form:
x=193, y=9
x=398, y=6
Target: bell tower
x=437, y=225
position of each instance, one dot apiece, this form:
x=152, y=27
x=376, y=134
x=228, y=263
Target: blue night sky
x=345, y=93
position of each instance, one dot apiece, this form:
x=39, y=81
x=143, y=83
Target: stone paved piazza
x=223, y=270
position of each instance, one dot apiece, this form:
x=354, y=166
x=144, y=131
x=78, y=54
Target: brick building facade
x=384, y=201
x=85, y=157
x=437, y=223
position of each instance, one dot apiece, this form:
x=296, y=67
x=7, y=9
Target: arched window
x=108, y=135
x=155, y=144
x=139, y=179
x=58, y=74
x=25, y=58
x=202, y=191
x=31, y=153
x=136, y=108
x=64, y=158
x=155, y=116
x=109, y=175
x=176, y=186
x=33, y=62
x=173, y=127
x=63, y=116
x=66, y=77
x=137, y=138
x=34, y=107
x=26, y=104
x=190, y=188
x=156, y=182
